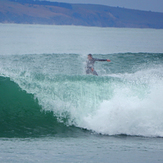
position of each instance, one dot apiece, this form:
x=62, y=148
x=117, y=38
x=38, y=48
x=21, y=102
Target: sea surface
x=51, y=111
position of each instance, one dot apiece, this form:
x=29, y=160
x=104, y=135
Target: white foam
x=129, y=113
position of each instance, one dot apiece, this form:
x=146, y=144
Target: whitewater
x=45, y=92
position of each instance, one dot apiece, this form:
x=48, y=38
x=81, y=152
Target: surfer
x=90, y=64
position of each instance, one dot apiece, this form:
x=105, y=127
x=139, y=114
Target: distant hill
x=46, y=12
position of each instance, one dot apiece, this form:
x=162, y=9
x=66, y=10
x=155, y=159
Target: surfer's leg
x=95, y=73
x=88, y=71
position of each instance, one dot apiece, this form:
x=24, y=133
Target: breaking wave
x=50, y=95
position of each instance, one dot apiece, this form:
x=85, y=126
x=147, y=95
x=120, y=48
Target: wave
x=22, y=116
x=55, y=100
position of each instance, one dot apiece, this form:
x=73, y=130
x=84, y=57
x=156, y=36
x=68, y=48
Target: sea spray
x=136, y=108
x=123, y=99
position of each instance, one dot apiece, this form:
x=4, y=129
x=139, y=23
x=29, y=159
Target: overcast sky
x=148, y=5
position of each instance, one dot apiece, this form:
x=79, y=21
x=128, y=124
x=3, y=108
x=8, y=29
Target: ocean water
x=51, y=111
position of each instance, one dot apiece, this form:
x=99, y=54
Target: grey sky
x=148, y=5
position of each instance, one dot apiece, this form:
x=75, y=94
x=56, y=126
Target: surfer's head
x=89, y=56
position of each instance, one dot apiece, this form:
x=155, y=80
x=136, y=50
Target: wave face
x=50, y=94
x=22, y=116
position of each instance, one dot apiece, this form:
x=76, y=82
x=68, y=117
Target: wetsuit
x=90, y=65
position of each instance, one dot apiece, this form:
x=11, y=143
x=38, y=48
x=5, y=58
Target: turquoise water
x=51, y=111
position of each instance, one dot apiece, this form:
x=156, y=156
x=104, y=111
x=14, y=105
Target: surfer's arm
x=108, y=60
